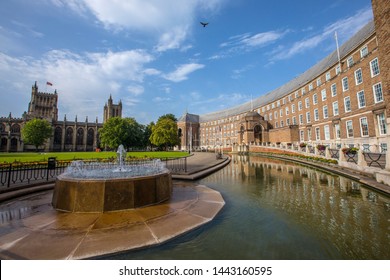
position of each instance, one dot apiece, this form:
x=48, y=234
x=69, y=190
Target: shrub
x=351, y=150
x=321, y=147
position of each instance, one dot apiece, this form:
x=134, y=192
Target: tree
x=169, y=116
x=147, y=133
x=125, y=131
x=36, y=132
x=164, y=133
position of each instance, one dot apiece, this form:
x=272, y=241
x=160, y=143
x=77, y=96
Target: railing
x=176, y=165
x=15, y=175
x=27, y=174
x=366, y=155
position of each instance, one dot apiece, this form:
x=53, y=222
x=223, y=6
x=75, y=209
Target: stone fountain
x=105, y=187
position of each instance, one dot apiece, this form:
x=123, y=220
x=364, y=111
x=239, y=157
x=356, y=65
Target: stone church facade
x=337, y=102
x=68, y=135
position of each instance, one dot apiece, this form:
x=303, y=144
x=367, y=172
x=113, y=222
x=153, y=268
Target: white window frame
x=364, y=51
x=300, y=119
x=337, y=69
x=335, y=106
x=323, y=94
x=382, y=126
x=333, y=89
x=318, y=81
x=327, y=76
x=358, y=76
x=378, y=92
x=349, y=128
x=325, y=111
x=307, y=102
x=374, y=67
x=364, y=132
x=347, y=101
x=316, y=115
x=337, y=131
x=308, y=117
x=350, y=61
x=300, y=106
x=315, y=99
x=318, y=134
x=361, y=98
x=326, y=132
x=344, y=83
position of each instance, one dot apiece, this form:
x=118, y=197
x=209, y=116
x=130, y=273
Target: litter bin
x=51, y=163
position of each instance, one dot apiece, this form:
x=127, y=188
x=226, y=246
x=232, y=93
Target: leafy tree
x=169, y=116
x=36, y=132
x=164, y=133
x=147, y=133
x=117, y=131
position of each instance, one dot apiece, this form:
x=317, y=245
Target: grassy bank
x=42, y=157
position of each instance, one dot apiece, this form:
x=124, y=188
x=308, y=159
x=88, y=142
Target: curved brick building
x=333, y=103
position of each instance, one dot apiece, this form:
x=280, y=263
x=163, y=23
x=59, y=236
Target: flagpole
x=337, y=45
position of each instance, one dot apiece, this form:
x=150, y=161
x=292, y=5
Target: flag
x=49, y=84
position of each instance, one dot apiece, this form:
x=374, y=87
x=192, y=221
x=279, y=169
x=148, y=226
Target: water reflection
x=281, y=210
x=353, y=217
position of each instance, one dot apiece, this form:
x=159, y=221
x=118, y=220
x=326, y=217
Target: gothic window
x=15, y=128
x=58, y=135
x=69, y=136
x=80, y=136
x=90, y=137
x=2, y=127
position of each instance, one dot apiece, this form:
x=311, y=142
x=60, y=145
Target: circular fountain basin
x=110, y=194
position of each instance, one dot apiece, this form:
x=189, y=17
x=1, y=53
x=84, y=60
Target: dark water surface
x=281, y=210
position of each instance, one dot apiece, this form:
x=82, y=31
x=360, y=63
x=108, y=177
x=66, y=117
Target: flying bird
x=204, y=23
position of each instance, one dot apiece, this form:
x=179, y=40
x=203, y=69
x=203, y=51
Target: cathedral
x=67, y=135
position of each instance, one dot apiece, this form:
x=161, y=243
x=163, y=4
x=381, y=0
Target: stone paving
x=36, y=231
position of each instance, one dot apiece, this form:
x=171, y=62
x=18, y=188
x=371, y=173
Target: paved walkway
x=31, y=229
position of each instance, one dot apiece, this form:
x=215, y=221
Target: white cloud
x=182, y=72
x=171, y=18
x=83, y=82
x=172, y=39
x=345, y=29
x=161, y=99
x=136, y=89
x=246, y=40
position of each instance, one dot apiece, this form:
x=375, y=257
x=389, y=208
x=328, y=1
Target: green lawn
x=34, y=157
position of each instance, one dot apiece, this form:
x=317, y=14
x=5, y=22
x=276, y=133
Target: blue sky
x=157, y=58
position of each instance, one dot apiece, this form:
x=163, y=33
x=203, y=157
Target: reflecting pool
x=281, y=210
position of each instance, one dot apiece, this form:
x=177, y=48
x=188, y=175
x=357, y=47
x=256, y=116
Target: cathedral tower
x=43, y=105
x=112, y=110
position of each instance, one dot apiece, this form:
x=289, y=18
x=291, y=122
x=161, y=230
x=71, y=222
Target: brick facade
x=343, y=107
